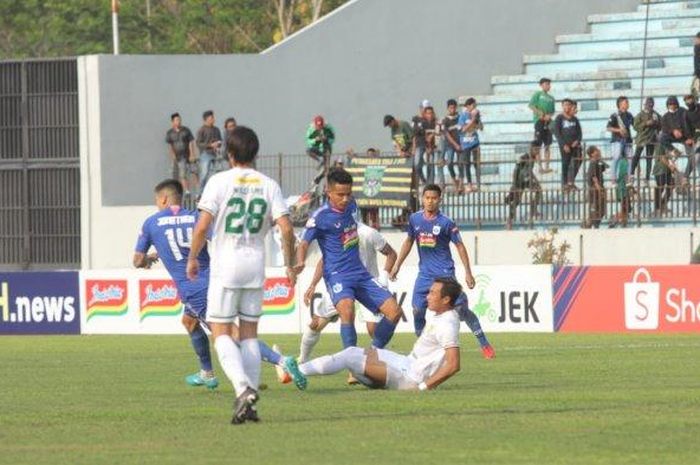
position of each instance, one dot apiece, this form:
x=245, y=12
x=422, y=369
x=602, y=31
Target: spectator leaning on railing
x=542, y=106
x=181, y=147
x=418, y=143
x=469, y=124
x=692, y=118
x=596, y=187
x=647, y=124
x=664, y=173
x=567, y=130
x=674, y=126
x=524, y=178
x=620, y=127
x=208, y=142
x=401, y=135
x=319, y=140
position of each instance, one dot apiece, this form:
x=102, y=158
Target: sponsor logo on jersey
x=106, y=297
x=426, y=240
x=436, y=230
x=158, y=297
x=278, y=297
x=349, y=237
x=247, y=180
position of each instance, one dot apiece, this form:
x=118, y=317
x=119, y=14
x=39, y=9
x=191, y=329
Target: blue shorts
x=362, y=287
x=420, y=294
x=195, y=305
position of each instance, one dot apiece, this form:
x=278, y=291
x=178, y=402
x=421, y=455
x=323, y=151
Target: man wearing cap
x=647, y=124
x=319, y=140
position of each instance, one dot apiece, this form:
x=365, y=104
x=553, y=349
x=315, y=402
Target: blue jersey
x=170, y=232
x=336, y=233
x=433, y=237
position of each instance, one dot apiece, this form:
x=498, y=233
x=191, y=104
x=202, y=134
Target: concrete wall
x=369, y=58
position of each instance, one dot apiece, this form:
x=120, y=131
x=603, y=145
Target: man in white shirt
x=434, y=358
x=371, y=242
x=240, y=205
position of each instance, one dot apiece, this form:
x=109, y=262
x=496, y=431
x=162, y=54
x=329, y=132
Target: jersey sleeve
x=278, y=204
x=210, y=201
x=312, y=228
x=143, y=243
x=378, y=241
x=448, y=335
x=453, y=232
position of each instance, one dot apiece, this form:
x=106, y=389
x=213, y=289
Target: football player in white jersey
x=240, y=205
x=433, y=360
x=371, y=242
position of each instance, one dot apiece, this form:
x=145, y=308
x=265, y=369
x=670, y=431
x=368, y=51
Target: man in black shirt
x=524, y=178
x=695, y=86
x=619, y=125
x=451, y=142
x=567, y=130
x=692, y=118
x=208, y=142
x=180, y=146
x=418, y=145
x=596, y=187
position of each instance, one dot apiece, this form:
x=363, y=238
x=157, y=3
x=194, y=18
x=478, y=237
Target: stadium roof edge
x=309, y=26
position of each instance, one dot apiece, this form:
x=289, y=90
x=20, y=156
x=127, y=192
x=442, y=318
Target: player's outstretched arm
x=405, y=250
x=464, y=256
x=288, y=240
x=318, y=274
x=199, y=238
x=446, y=371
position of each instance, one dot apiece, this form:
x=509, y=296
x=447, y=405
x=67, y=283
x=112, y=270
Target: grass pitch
x=555, y=398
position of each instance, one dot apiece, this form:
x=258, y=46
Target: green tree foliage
x=46, y=28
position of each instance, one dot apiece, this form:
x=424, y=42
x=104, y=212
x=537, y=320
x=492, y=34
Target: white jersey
x=244, y=203
x=371, y=242
x=428, y=354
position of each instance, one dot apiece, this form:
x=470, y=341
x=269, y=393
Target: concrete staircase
x=594, y=69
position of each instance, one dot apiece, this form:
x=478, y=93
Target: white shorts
x=325, y=309
x=398, y=368
x=225, y=304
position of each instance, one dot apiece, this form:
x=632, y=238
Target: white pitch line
x=596, y=347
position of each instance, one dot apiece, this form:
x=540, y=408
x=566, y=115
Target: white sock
x=250, y=352
x=231, y=362
x=308, y=341
x=352, y=358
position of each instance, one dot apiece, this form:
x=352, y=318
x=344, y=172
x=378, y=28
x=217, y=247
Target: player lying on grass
x=170, y=232
x=371, y=242
x=433, y=360
x=432, y=232
x=335, y=228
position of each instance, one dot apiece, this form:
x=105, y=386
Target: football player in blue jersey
x=433, y=232
x=334, y=226
x=170, y=232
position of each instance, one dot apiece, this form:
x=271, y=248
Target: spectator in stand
x=692, y=118
x=181, y=148
x=524, y=178
x=647, y=124
x=695, y=86
x=451, y=147
x=542, y=106
x=623, y=194
x=469, y=124
x=664, y=172
x=431, y=127
x=567, y=130
x=229, y=125
x=418, y=143
x=596, y=187
x=674, y=127
x=319, y=140
x=619, y=125
x=208, y=142
x=401, y=135
x=370, y=215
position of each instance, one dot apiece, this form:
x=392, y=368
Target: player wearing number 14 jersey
x=239, y=205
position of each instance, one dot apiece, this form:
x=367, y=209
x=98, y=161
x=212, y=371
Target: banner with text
x=39, y=303
x=381, y=182
x=627, y=298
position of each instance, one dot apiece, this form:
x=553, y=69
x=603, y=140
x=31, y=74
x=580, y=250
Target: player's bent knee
x=391, y=310
x=189, y=323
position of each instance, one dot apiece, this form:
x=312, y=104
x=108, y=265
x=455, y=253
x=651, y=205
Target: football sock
x=383, y=333
x=231, y=362
x=418, y=321
x=250, y=353
x=472, y=322
x=268, y=354
x=308, y=341
x=352, y=358
x=200, y=343
x=348, y=334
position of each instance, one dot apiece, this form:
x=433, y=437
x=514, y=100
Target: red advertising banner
x=627, y=298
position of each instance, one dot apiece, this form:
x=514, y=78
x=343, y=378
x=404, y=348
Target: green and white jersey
x=245, y=203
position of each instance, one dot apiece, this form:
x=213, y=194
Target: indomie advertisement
x=627, y=298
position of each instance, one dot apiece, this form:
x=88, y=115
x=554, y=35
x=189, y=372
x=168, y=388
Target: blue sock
x=383, y=333
x=418, y=320
x=200, y=342
x=268, y=354
x=348, y=335
x=472, y=321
